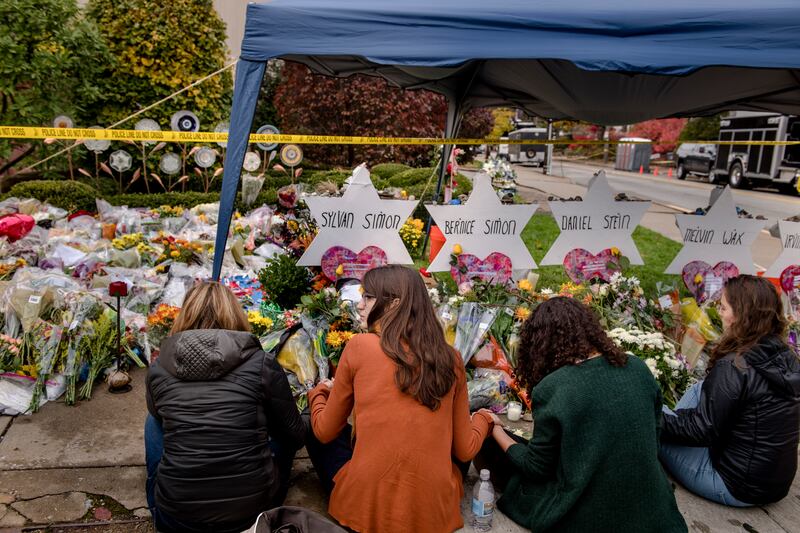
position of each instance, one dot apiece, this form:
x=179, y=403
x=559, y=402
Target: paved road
x=686, y=195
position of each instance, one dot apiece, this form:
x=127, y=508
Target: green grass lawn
x=657, y=252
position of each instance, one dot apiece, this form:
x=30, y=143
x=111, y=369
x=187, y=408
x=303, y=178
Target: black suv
x=696, y=159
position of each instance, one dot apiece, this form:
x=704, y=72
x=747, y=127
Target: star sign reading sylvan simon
x=597, y=223
x=357, y=219
x=790, y=255
x=483, y=225
x=719, y=235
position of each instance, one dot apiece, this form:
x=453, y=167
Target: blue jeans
x=691, y=465
x=154, y=449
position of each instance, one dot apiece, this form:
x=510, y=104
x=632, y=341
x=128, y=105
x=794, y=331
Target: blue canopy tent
x=608, y=62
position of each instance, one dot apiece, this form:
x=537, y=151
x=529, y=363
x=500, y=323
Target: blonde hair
x=210, y=305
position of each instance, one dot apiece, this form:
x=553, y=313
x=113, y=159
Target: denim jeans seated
x=691, y=465
x=154, y=449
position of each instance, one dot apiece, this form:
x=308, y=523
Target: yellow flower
x=174, y=253
x=340, y=270
x=525, y=285
x=615, y=251
x=698, y=278
x=522, y=313
x=457, y=249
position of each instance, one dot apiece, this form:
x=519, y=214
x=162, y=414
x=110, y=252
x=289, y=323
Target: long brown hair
x=410, y=334
x=757, y=313
x=561, y=332
x=210, y=305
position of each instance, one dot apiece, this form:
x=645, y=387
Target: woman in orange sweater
x=407, y=391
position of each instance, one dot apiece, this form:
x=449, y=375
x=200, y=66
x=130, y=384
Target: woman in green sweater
x=592, y=464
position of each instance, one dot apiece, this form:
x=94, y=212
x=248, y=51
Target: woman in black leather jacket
x=733, y=437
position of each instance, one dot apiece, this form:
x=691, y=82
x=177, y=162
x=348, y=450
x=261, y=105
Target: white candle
x=514, y=412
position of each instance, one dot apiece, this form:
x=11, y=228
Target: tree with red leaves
x=663, y=132
x=313, y=104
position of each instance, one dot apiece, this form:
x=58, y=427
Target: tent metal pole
x=548, y=168
x=450, y=129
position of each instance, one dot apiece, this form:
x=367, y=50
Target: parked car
x=697, y=159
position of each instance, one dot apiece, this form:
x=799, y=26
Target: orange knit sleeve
x=330, y=408
x=468, y=432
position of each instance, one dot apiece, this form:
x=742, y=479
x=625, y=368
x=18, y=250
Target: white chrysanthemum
x=433, y=293
x=547, y=291
x=651, y=364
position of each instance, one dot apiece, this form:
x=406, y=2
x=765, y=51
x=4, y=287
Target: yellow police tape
x=30, y=132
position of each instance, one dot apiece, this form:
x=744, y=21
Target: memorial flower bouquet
x=178, y=250
x=668, y=367
x=622, y=302
x=159, y=323
x=9, y=353
x=259, y=324
x=411, y=232
x=8, y=268
x=474, y=322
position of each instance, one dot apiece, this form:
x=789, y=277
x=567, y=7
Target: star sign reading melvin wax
x=357, y=219
x=719, y=235
x=790, y=255
x=595, y=224
x=483, y=225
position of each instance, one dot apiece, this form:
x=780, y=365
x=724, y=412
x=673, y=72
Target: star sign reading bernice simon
x=596, y=223
x=357, y=219
x=483, y=225
x=719, y=235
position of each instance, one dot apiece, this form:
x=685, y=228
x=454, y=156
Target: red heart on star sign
x=354, y=265
x=582, y=265
x=706, y=282
x=495, y=267
x=790, y=278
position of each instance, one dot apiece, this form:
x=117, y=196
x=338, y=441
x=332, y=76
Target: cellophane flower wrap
x=474, y=322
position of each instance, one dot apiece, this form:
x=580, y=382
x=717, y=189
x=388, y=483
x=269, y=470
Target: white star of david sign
x=790, y=255
x=482, y=226
x=597, y=223
x=719, y=235
x=357, y=219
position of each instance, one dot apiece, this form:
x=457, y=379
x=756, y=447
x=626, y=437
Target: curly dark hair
x=561, y=332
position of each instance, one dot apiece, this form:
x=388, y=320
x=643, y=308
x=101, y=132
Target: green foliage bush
x=283, y=281
x=160, y=47
x=51, y=59
x=69, y=195
x=387, y=170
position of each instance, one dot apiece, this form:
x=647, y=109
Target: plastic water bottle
x=482, y=503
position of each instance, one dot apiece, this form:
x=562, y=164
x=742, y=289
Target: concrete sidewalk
x=83, y=466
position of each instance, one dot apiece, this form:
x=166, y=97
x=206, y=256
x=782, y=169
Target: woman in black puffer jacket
x=733, y=437
x=223, y=426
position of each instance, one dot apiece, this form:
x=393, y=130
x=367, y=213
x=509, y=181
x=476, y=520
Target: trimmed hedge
x=73, y=196
x=385, y=171
x=76, y=195
x=69, y=195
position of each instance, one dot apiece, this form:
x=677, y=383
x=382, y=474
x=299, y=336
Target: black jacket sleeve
x=151, y=404
x=282, y=415
x=719, y=404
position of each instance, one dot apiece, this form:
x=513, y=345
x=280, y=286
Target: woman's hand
x=327, y=383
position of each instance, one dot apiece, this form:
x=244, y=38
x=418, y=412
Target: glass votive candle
x=514, y=411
